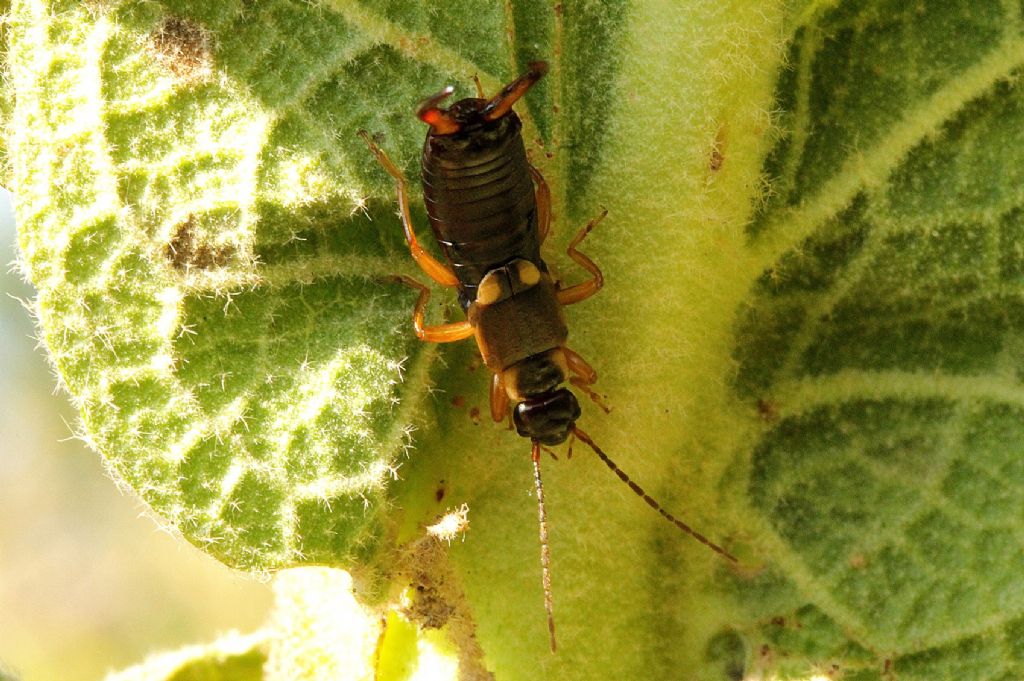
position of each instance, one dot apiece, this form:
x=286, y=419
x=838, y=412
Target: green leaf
x=810, y=333
x=231, y=658
x=209, y=275
x=887, y=473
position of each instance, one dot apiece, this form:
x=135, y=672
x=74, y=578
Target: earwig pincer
x=490, y=211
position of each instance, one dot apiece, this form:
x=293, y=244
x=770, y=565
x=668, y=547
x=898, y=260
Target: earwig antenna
x=501, y=103
x=545, y=550
x=440, y=120
x=646, y=497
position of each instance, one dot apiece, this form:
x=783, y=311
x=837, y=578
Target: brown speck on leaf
x=779, y=621
x=440, y=491
x=185, y=251
x=459, y=401
x=857, y=561
x=430, y=609
x=558, y=9
x=183, y=47
x=474, y=415
x=716, y=158
x=718, y=150
x=768, y=410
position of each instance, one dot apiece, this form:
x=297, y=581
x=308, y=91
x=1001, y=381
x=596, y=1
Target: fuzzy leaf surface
x=810, y=335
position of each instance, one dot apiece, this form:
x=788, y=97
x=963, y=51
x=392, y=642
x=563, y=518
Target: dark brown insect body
x=489, y=210
x=480, y=197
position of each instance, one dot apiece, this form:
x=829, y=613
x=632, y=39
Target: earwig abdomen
x=480, y=200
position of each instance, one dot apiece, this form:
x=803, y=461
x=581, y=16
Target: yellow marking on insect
x=490, y=289
x=529, y=275
x=510, y=378
x=558, y=357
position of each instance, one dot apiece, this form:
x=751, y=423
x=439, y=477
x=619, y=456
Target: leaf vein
x=304, y=271
x=803, y=395
x=871, y=168
x=417, y=46
x=802, y=117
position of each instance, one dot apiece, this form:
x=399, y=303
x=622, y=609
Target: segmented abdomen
x=482, y=208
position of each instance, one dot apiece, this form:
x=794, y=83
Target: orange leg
x=499, y=399
x=443, y=333
x=479, y=87
x=585, y=376
x=579, y=292
x=432, y=267
x=543, y=194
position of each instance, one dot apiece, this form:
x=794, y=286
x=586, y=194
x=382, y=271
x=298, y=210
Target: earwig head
x=549, y=418
x=474, y=114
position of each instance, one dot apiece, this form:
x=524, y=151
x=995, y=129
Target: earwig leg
x=580, y=292
x=543, y=194
x=583, y=386
x=499, y=399
x=479, y=87
x=443, y=333
x=580, y=366
x=585, y=377
x=428, y=263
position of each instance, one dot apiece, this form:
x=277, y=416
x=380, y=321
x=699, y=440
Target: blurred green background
x=88, y=581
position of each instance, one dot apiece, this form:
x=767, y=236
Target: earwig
x=490, y=211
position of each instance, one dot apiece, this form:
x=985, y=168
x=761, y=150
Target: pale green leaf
x=232, y=657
